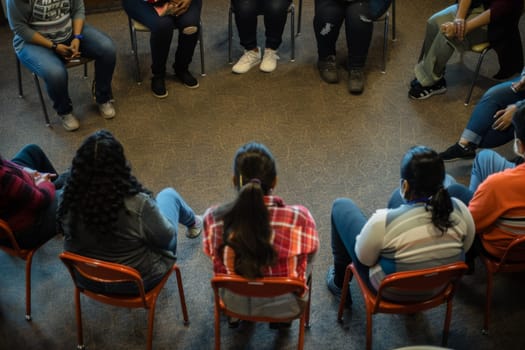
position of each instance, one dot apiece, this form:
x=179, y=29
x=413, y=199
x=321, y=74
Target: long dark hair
x=425, y=171
x=246, y=220
x=100, y=178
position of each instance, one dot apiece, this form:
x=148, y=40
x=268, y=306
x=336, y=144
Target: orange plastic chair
x=267, y=287
x=512, y=260
x=441, y=282
x=106, y=272
x=24, y=254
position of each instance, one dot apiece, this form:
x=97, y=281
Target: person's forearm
x=463, y=7
x=479, y=21
x=78, y=24
x=39, y=39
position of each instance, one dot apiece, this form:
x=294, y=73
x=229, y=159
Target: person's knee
x=190, y=30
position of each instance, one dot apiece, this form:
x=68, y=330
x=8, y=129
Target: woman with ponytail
x=258, y=235
x=422, y=227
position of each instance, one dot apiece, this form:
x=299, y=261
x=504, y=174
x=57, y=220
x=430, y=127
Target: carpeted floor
x=327, y=143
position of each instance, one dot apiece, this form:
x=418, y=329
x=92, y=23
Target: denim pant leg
x=275, y=13
x=246, y=21
x=32, y=156
x=187, y=42
x=328, y=19
x=174, y=208
x=99, y=46
x=161, y=28
x=358, y=33
x=50, y=67
x=460, y=192
x=347, y=222
x=479, y=128
x=487, y=162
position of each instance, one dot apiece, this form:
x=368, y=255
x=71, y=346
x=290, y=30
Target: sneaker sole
x=192, y=86
x=244, y=71
x=435, y=92
x=160, y=96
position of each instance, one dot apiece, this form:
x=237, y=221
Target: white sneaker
x=269, y=61
x=195, y=230
x=107, y=110
x=247, y=61
x=69, y=122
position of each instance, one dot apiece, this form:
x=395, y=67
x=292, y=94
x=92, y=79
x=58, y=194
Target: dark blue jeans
x=479, y=128
x=328, y=19
x=274, y=13
x=50, y=67
x=161, y=28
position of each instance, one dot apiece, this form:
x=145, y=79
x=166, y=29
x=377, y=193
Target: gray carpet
x=327, y=143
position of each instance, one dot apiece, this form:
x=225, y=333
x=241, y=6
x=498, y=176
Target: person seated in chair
x=258, y=235
x=48, y=35
x=490, y=124
x=461, y=26
x=358, y=16
x=106, y=214
x=498, y=195
x=428, y=228
x=27, y=196
x=274, y=13
x=162, y=17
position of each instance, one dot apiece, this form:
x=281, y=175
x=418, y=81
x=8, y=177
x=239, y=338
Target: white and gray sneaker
x=195, y=230
x=69, y=122
x=250, y=59
x=269, y=61
x=107, y=110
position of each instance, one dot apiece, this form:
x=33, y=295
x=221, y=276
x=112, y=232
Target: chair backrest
x=421, y=284
x=267, y=287
x=514, y=255
x=102, y=271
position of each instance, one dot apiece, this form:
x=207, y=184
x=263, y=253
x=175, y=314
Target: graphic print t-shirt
x=52, y=19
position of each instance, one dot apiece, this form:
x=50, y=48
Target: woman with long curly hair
x=258, y=235
x=426, y=227
x=106, y=214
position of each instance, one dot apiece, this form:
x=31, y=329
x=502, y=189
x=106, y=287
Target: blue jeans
x=50, y=67
x=274, y=13
x=347, y=221
x=328, y=19
x=487, y=162
x=479, y=128
x=176, y=210
x=161, y=28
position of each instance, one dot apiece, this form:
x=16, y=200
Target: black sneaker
x=187, y=79
x=328, y=69
x=356, y=81
x=420, y=92
x=158, y=86
x=457, y=151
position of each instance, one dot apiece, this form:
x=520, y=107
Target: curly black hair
x=100, y=178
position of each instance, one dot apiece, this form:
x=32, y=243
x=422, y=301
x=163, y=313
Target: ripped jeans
x=328, y=19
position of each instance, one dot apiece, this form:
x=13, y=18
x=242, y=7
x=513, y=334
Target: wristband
x=54, y=47
x=78, y=36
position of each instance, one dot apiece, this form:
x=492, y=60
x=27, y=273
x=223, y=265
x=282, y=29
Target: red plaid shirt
x=294, y=237
x=20, y=198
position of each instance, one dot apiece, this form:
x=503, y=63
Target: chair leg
x=29, y=261
x=300, y=344
x=217, y=327
x=201, y=47
x=182, y=297
x=488, y=301
x=344, y=292
x=394, y=20
x=385, y=42
x=78, y=310
x=19, y=75
x=307, y=307
x=230, y=35
x=446, y=326
x=42, y=102
x=151, y=319
x=85, y=70
x=292, y=31
x=476, y=74
x=299, y=17
x=368, y=329
x=133, y=36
